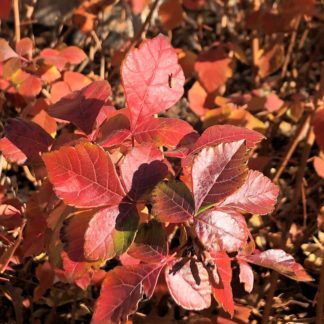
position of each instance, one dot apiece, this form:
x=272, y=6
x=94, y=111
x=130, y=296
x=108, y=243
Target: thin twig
x=17, y=19
x=7, y=255
x=255, y=49
x=138, y=37
x=290, y=47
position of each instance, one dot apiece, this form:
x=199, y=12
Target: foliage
x=146, y=191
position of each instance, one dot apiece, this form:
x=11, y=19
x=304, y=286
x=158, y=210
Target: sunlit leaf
x=188, y=284
x=218, y=171
x=221, y=229
x=258, y=195
x=152, y=78
x=84, y=176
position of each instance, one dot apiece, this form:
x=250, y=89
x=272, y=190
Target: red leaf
x=280, y=261
x=122, y=290
x=142, y=169
x=152, y=78
x=72, y=234
x=318, y=163
x=188, y=284
x=150, y=245
x=52, y=57
x=213, y=68
x=271, y=60
x=172, y=202
x=193, y=4
x=59, y=90
x=318, y=123
x=171, y=14
x=6, y=52
x=224, y=134
x=166, y=132
x=45, y=275
x=70, y=54
x=218, y=171
x=258, y=195
x=25, y=47
x=246, y=275
x=138, y=6
x=11, y=152
x=80, y=273
x=27, y=136
x=221, y=229
x=110, y=232
x=199, y=100
x=5, y=6
x=82, y=107
x=84, y=176
x=76, y=80
x=30, y=87
x=114, y=131
x=73, y=54
x=222, y=291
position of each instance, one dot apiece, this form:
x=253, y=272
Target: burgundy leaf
x=142, y=169
x=218, y=171
x=188, y=284
x=72, y=234
x=246, y=275
x=84, y=176
x=123, y=289
x=280, y=261
x=152, y=78
x=27, y=136
x=79, y=273
x=110, y=232
x=166, y=132
x=222, y=291
x=150, y=245
x=172, y=202
x=221, y=229
x=258, y=195
x=82, y=107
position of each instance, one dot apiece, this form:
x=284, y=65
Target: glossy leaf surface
x=258, y=195
x=218, y=171
x=221, y=229
x=280, y=261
